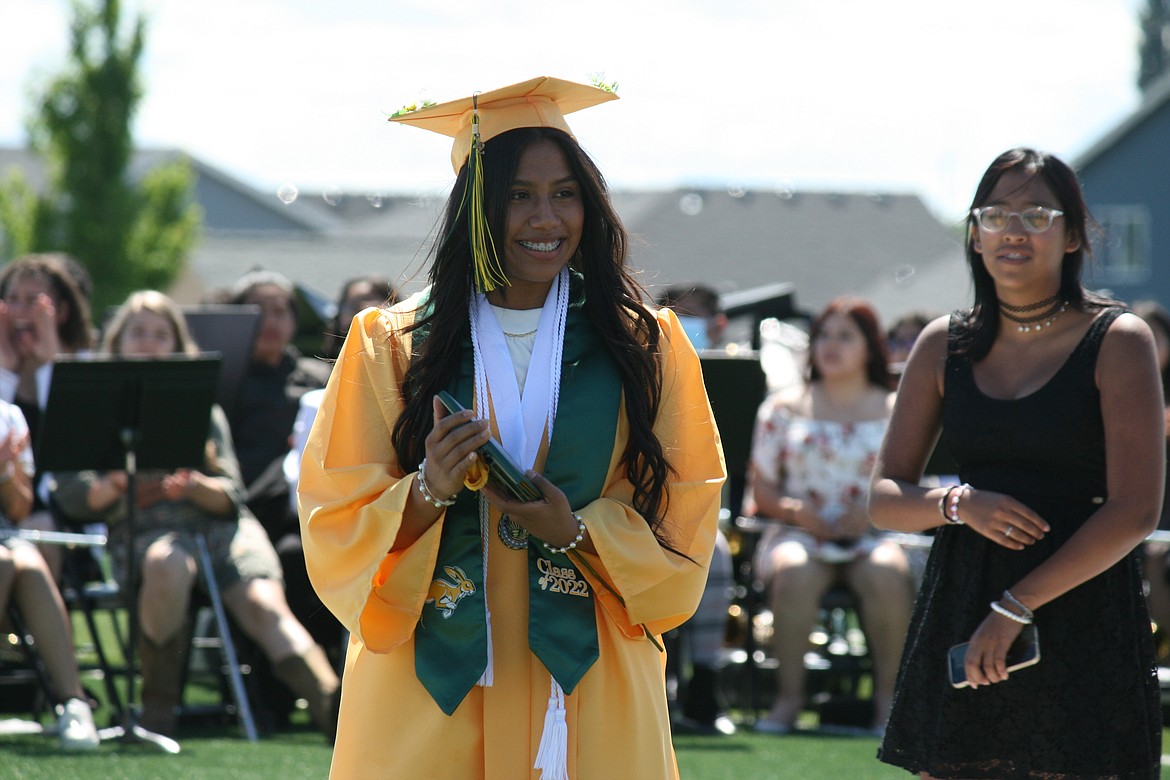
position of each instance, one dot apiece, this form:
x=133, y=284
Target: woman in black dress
x=1049, y=399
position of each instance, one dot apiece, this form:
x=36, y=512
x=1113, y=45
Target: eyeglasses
x=994, y=219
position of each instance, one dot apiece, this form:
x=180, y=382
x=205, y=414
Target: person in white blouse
x=44, y=313
x=813, y=449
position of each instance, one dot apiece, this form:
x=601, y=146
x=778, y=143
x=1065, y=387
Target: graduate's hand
x=451, y=447
x=550, y=520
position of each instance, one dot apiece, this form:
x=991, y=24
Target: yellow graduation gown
x=352, y=493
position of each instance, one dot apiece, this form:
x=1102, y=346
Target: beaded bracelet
x=1015, y=602
x=573, y=544
x=953, y=498
x=1007, y=613
x=942, y=503
x=437, y=503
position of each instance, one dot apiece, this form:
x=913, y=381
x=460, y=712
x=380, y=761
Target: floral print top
x=826, y=464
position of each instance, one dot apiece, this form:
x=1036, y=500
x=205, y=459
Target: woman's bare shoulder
x=791, y=400
x=1128, y=339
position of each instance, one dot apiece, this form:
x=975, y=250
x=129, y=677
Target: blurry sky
x=856, y=95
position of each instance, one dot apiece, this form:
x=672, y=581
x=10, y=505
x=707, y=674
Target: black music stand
x=736, y=386
x=126, y=414
x=228, y=329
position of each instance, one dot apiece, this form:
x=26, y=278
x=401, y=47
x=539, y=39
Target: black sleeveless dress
x=1090, y=708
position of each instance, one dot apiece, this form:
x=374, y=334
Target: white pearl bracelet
x=953, y=496
x=573, y=544
x=437, y=503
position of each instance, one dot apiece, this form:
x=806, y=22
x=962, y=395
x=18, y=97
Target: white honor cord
x=521, y=424
x=485, y=533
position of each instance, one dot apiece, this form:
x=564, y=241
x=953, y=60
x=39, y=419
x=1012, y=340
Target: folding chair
x=225, y=645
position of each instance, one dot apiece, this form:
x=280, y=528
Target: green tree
x=130, y=234
x=1154, y=48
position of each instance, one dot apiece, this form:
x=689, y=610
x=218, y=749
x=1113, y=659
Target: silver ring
x=1008, y=531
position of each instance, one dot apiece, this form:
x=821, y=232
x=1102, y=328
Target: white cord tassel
x=552, y=757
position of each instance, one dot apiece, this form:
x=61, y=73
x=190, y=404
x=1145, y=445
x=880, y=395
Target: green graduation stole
x=450, y=640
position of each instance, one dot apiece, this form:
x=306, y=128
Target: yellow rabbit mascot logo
x=446, y=595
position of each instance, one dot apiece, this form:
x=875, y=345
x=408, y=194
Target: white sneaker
x=75, y=726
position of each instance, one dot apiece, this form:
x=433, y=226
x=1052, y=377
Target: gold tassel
x=477, y=475
x=488, y=272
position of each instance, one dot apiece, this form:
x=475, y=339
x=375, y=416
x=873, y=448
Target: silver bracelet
x=1007, y=613
x=573, y=544
x=437, y=503
x=1015, y=602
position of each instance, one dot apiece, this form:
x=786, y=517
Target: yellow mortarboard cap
x=538, y=102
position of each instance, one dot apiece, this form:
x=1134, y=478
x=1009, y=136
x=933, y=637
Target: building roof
x=885, y=247
x=1156, y=95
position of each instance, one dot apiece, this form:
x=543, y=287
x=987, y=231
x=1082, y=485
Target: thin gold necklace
x=525, y=334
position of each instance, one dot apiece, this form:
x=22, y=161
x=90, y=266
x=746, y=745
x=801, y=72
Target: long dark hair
x=877, y=354
x=66, y=279
x=613, y=304
x=980, y=326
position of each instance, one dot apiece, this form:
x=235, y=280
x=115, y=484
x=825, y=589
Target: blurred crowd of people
x=812, y=453
x=239, y=500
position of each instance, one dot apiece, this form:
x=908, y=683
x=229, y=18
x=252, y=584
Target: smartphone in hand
x=503, y=473
x=1024, y=652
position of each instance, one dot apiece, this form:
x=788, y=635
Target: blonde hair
x=157, y=303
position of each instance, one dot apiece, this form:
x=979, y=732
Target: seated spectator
x=812, y=453
x=262, y=426
x=171, y=509
x=699, y=312
x=358, y=293
x=44, y=313
x=901, y=336
x=262, y=420
x=25, y=580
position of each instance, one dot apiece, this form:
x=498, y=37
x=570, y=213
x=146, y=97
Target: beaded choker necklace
x=1051, y=308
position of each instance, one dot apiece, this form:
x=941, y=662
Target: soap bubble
x=287, y=192
x=904, y=274
x=690, y=204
